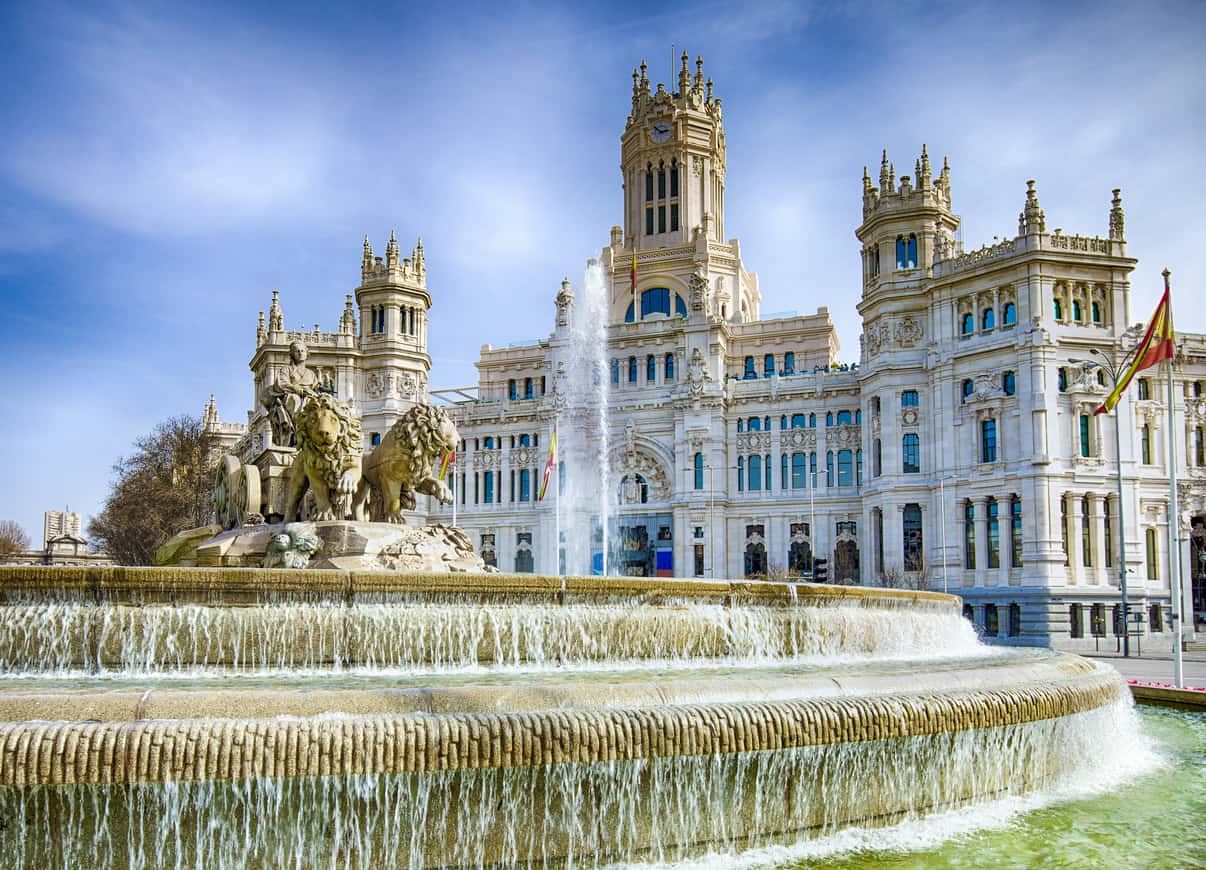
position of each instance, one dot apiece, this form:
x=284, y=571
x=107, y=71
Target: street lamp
x=1115, y=371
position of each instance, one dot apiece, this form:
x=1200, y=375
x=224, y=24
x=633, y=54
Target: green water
x=1157, y=821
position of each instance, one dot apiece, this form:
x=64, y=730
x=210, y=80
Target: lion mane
x=423, y=424
x=331, y=461
x=401, y=464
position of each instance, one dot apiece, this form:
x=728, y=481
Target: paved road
x=1157, y=667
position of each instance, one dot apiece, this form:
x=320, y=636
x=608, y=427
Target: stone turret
x=1117, y=217
x=1032, y=219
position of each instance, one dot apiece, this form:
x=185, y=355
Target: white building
x=960, y=452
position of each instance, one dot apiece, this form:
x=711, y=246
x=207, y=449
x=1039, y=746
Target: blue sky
x=163, y=168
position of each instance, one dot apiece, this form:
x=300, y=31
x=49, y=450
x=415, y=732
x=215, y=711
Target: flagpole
x=456, y=491
x=1174, y=521
x=557, y=514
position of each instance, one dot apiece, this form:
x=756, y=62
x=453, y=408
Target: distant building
x=960, y=451
x=62, y=544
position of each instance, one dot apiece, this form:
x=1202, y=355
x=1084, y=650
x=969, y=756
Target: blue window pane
x=755, y=467
x=680, y=307
x=655, y=301
x=669, y=366
x=1010, y=315
x=789, y=363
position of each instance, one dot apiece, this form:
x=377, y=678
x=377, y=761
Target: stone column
x=1097, y=530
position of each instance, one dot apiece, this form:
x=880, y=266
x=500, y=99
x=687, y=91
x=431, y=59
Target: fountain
x=191, y=716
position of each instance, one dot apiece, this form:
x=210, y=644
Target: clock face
x=660, y=131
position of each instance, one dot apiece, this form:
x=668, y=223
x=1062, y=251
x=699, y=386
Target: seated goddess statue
x=284, y=398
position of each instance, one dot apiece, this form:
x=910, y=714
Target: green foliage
x=163, y=487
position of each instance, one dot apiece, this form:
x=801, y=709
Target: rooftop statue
x=285, y=398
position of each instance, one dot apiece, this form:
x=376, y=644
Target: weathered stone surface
x=181, y=548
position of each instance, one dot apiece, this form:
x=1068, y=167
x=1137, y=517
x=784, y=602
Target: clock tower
x=673, y=161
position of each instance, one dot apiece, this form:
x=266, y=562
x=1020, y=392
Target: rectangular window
x=649, y=220
x=1149, y=537
x=994, y=534
x=1015, y=532
x=1086, y=535
x=1063, y=529
x=649, y=187
x=673, y=216
x=1084, y=435
x=969, y=535
x=661, y=184
x=661, y=218
x=1145, y=445
x=699, y=560
x=1109, y=535
x=908, y=399
x=988, y=440
x=829, y=468
x=1076, y=626
x=910, y=454
x=674, y=180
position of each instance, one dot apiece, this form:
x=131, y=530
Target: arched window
x=488, y=443
x=912, y=252
x=844, y=418
x=680, y=307
x=901, y=252
x=740, y=474
x=655, y=301
x=829, y=418
x=629, y=316
x=829, y=468
x=512, y=392
x=858, y=417
x=375, y=438
x=1076, y=313
x=632, y=370
x=910, y=451
x=988, y=319
x=1086, y=534
x=1095, y=312
x=1009, y=316
x=1059, y=309
x=968, y=388
x=651, y=368
x=755, y=424
x=799, y=558
x=525, y=484
x=789, y=363
x=649, y=185
x=908, y=399
x=768, y=365
x=740, y=424
x=525, y=440
x=615, y=371
x=968, y=324
x=812, y=421
x=755, y=560
x=749, y=368
x=527, y=388
x=1009, y=383
x=524, y=561
x=783, y=422
x=798, y=471
x=669, y=366
x=755, y=472
x=797, y=421
x=698, y=467
x=914, y=554
x=845, y=468
x=1062, y=379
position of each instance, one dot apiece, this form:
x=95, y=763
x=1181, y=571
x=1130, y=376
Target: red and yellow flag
x=549, y=464
x=449, y=459
x=1157, y=345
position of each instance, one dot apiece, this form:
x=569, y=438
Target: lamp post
x=1114, y=372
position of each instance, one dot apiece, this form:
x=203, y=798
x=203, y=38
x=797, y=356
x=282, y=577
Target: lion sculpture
x=329, y=450
x=403, y=463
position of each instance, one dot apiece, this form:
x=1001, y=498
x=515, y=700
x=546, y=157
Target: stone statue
x=404, y=463
x=291, y=547
x=329, y=450
x=697, y=374
x=284, y=399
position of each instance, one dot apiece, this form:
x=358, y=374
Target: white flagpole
x=557, y=509
x=456, y=491
x=1174, y=522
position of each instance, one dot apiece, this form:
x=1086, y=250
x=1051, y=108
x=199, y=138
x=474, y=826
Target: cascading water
x=584, y=427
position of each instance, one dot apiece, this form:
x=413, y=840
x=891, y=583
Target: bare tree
x=13, y=539
x=160, y=489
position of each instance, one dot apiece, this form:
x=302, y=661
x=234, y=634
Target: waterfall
x=584, y=442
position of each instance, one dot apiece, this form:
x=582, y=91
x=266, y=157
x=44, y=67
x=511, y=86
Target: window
x=375, y=438
x=858, y=467
x=740, y=425
x=740, y=474
x=1062, y=379
x=910, y=450
x=1097, y=620
x=1155, y=619
x=1009, y=316
x=912, y=251
x=525, y=440
x=1108, y=535
x=669, y=366
x=755, y=473
x=488, y=443
x=527, y=388
x=1084, y=435
x=783, y=476
x=512, y=392
x=789, y=363
x=988, y=440
x=1145, y=444
x=655, y=301
x=1149, y=538
x=1059, y=310
x=911, y=529
x=908, y=399
x=755, y=424
x=488, y=487
x=812, y=469
x=1076, y=621
x=798, y=471
x=845, y=468
x=992, y=623
x=1086, y=534
x=651, y=369
x=829, y=468
x=844, y=418
x=1015, y=532
x=1009, y=383
x=698, y=466
x=967, y=389
x=1063, y=529
x=749, y=368
x=969, y=535
x=901, y=252
x=768, y=468
x=632, y=370
x=615, y=371
x=988, y=320
x=1199, y=446
x=798, y=421
x=829, y=418
x=525, y=484
x=1015, y=620
x=812, y=421
x=994, y=534
x=969, y=613
x=649, y=183
x=967, y=325
x=768, y=365
x=1145, y=389
x=877, y=458
x=1076, y=312
x=1095, y=312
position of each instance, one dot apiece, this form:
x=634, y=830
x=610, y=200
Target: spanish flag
x=1157, y=345
x=449, y=459
x=548, y=465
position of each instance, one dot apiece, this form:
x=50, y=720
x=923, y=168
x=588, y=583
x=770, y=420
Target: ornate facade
x=959, y=452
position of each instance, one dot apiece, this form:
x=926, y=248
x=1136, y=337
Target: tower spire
x=1032, y=219
x=684, y=77
x=1117, y=217
x=926, y=174
x=276, y=317
x=883, y=172
x=699, y=72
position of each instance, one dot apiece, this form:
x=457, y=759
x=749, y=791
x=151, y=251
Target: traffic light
x=820, y=570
